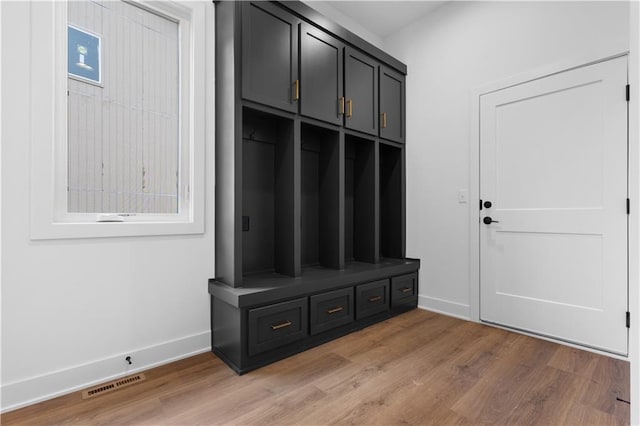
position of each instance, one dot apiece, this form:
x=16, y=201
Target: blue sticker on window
x=83, y=51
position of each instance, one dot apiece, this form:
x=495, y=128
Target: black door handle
x=488, y=221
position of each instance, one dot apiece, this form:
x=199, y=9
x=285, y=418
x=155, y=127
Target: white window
x=118, y=138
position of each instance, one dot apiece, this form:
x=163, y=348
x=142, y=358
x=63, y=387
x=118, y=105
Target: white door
x=553, y=164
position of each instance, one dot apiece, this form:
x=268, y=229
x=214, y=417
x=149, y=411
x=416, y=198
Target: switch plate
x=463, y=196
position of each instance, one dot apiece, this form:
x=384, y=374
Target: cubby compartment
x=321, y=192
x=360, y=200
x=267, y=193
x=392, y=215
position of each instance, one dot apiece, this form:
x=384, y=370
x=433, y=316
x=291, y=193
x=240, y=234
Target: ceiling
x=384, y=18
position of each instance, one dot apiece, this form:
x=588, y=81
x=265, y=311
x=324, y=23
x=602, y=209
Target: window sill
x=72, y=230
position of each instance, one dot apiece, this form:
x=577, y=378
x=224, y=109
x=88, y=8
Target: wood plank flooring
x=418, y=368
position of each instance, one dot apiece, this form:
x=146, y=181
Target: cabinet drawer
x=404, y=289
x=330, y=310
x=277, y=325
x=372, y=298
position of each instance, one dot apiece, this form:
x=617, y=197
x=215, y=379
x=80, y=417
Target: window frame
x=49, y=214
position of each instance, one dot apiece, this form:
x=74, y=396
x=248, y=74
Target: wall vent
x=113, y=385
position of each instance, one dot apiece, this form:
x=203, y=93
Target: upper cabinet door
x=361, y=92
x=320, y=75
x=392, y=112
x=269, y=55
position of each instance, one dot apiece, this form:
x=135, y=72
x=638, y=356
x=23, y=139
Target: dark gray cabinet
x=342, y=92
x=330, y=310
x=277, y=325
x=321, y=65
x=392, y=105
x=361, y=92
x=269, y=55
x=310, y=189
x=372, y=298
x=404, y=289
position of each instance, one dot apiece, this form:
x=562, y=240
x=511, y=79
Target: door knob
x=488, y=221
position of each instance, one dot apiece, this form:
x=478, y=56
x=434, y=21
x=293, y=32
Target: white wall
x=73, y=309
x=459, y=47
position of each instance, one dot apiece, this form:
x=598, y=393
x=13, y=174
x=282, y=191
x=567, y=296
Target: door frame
x=611, y=224
x=633, y=175
x=634, y=220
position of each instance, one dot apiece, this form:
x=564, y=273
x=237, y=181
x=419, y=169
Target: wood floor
x=418, y=368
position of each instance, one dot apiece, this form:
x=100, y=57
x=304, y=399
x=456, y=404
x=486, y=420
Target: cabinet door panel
x=361, y=92
x=269, y=55
x=392, y=113
x=320, y=75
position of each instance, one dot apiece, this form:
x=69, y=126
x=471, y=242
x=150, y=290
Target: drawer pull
x=334, y=310
x=341, y=105
x=281, y=325
x=406, y=289
x=375, y=298
x=349, y=108
x=384, y=120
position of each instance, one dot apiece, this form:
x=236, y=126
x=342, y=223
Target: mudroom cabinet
x=310, y=184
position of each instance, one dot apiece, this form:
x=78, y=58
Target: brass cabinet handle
x=349, y=107
x=341, y=105
x=296, y=95
x=281, y=325
x=384, y=120
x=406, y=290
x=334, y=310
x=375, y=298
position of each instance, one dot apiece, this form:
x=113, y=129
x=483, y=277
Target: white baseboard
x=446, y=307
x=47, y=386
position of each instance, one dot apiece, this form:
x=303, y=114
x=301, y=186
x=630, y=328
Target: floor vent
x=111, y=386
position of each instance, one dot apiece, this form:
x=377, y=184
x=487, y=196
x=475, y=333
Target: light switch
x=463, y=196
